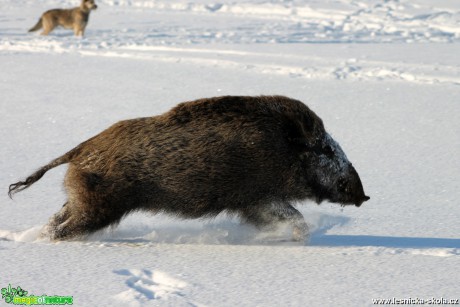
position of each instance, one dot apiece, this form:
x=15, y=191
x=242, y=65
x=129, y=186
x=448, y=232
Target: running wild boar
x=248, y=156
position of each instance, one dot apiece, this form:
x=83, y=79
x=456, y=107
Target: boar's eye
x=318, y=149
x=342, y=185
x=328, y=151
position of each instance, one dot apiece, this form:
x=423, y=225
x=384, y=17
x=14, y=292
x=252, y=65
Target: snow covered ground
x=383, y=75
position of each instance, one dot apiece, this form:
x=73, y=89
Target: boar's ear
x=299, y=130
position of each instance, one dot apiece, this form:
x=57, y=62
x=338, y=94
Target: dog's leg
x=48, y=26
x=78, y=31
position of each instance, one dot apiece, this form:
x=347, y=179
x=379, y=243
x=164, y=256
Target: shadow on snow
x=383, y=241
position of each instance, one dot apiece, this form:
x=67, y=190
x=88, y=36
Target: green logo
x=18, y=296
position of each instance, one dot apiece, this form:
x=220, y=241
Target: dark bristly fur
x=250, y=156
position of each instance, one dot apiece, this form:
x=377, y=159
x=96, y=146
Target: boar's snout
x=350, y=189
x=335, y=180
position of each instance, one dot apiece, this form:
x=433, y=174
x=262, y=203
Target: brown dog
x=75, y=19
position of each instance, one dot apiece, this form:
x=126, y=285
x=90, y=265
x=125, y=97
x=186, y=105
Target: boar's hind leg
x=57, y=219
x=77, y=221
x=270, y=216
x=60, y=217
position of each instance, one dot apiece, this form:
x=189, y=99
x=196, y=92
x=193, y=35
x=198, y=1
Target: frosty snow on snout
x=249, y=156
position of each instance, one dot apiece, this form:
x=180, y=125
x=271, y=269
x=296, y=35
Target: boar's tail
x=22, y=185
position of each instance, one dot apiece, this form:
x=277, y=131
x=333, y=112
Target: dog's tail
x=22, y=185
x=38, y=26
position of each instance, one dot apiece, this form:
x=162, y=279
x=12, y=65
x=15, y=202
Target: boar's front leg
x=268, y=217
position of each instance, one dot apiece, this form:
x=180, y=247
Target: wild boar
x=248, y=156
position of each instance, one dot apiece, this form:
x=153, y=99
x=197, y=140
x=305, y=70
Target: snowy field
x=383, y=75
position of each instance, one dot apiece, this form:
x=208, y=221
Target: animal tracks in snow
x=308, y=66
x=149, y=286
x=267, y=23
x=293, y=66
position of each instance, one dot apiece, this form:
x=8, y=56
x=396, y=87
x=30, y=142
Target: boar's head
x=329, y=173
